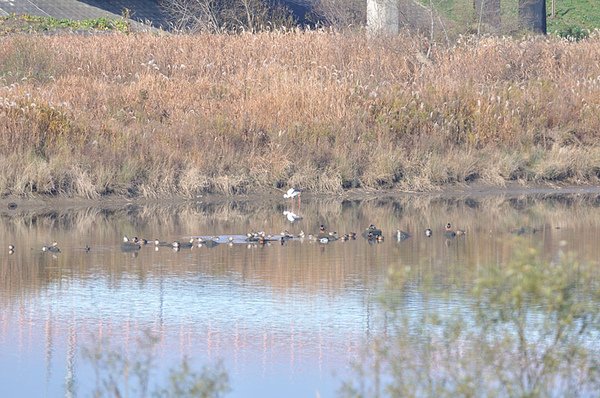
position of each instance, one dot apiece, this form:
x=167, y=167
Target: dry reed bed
x=161, y=115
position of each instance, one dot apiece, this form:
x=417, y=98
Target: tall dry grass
x=155, y=115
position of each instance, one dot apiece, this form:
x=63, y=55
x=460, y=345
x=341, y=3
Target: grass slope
x=149, y=115
x=578, y=14
x=584, y=14
x=33, y=24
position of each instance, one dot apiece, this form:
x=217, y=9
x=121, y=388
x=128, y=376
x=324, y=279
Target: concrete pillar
x=382, y=16
x=532, y=15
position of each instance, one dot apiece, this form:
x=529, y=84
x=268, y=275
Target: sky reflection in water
x=286, y=320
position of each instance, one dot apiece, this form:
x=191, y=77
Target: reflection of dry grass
x=325, y=111
x=487, y=220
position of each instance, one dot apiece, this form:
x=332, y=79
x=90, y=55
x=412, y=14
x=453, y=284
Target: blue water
x=284, y=320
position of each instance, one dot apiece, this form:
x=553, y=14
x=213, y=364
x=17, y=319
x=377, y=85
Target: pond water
x=283, y=319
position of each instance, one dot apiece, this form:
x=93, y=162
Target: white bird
x=292, y=217
x=292, y=193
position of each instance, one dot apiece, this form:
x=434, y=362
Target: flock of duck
x=372, y=234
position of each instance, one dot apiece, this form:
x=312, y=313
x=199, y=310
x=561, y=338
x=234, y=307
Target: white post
x=382, y=16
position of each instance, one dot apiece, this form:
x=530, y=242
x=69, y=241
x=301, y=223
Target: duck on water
x=449, y=232
x=372, y=233
x=53, y=248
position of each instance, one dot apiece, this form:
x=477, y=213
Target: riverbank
x=475, y=192
x=147, y=116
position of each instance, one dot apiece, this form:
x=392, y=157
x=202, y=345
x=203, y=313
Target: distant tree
x=227, y=15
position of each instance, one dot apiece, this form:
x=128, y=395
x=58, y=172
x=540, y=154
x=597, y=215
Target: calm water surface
x=285, y=320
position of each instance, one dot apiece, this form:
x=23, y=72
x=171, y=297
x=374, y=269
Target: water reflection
x=285, y=318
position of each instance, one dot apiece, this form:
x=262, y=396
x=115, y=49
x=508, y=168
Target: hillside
x=155, y=115
x=574, y=14
x=584, y=14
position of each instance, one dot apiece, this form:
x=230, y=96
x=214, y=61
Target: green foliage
x=577, y=16
x=527, y=329
x=573, y=33
x=583, y=15
x=184, y=382
x=32, y=23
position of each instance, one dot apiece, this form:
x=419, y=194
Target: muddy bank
x=12, y=205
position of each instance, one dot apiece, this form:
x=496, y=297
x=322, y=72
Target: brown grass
x=158, y=115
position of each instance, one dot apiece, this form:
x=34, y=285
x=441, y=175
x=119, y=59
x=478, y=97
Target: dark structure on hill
x=147, y=11
x=414, y=14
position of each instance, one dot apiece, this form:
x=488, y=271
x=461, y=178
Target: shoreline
x=458, y=192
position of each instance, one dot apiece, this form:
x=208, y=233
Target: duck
x=141, y=241
x=286, y=235
x=523, y=231
x=451, y=233
x=323, y=235
x=183, y=245
x=53, y=248
x=372, y=232
x=129, y=246
x=210, y=243
x=401, y=235
x=448, y=232
x=251, y=237
x=348, y=236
